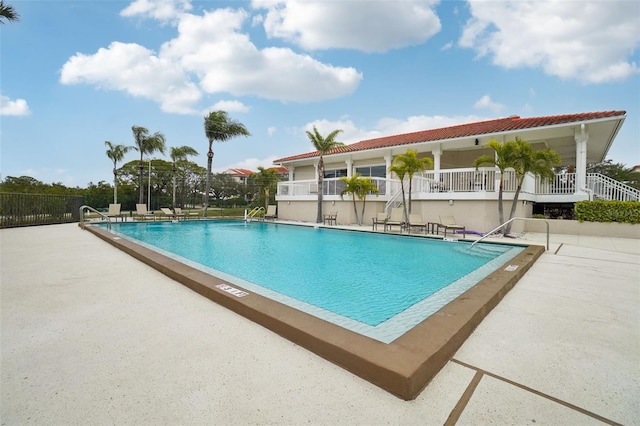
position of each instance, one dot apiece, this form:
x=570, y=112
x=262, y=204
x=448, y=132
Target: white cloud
x=229, y=106
x=485, y=102
x=16, y=107
x=249, y=164
x=162, y=10
x=271, y=131
x=588, y=41
x=210, y=55
x=370, y=26
x=136, y=70
x=388, y=126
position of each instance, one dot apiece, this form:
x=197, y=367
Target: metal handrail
x=509, y=221
x=252, y=213
x=104, y=216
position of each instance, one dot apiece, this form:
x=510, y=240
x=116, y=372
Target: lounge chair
x=187, y=215
x=114, y=211
x=396, y=219
x=271, y=212
x=143, y=213
x=415, y=221
x=380, y=219
x=330, y=218
x=448, y=223
x=170, y=214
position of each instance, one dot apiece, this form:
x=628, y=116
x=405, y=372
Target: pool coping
x=403, y=367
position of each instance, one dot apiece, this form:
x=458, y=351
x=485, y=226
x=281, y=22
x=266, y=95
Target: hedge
x=608, y=211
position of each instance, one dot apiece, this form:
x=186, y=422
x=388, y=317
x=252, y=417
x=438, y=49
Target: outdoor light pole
x=149, y=189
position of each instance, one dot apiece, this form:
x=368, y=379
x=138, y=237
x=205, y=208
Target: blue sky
x=76, y=73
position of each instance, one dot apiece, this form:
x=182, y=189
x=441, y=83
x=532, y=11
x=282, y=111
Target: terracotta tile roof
x=279, y=169
x=470, y=129
x=239, y=172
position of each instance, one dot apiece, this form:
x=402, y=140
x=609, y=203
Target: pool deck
x=90, y=335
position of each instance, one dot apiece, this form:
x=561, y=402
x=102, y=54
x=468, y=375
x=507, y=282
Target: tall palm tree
x=179, y=154
x=539, y=163
x=8, y=12
x=504, y=158
x=323, y=145
x=116, y=153
x=358, y=186
x=219, y=127
x=265, y=179
x=146, y=144
x=410, y=164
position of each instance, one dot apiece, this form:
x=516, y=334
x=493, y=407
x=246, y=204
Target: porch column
x=437, y=153
x=581, y=136
x=349, y=163
x=291, y=170
x=387, y=163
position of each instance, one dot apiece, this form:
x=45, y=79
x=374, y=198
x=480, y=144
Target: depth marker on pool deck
x=231, y=290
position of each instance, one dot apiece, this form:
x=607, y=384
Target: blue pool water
x=358, y=280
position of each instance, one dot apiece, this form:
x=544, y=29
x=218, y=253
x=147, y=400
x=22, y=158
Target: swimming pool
x=402, y=367
x=378, y=285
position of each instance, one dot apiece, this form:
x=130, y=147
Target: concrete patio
x=90, y=335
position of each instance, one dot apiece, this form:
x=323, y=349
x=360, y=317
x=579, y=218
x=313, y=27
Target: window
x=335, y=173
x=372, y=171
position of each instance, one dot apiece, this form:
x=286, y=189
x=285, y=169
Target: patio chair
x=380, y=219
x=142, y=212
x=187, y=215
x=271, y=212
x=415, y=221
x=330, y=218
x=448, y=223
x=114, y=211
x=172, y=215
x=396, y=219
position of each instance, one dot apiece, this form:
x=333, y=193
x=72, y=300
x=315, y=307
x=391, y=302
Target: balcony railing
x=470, y=180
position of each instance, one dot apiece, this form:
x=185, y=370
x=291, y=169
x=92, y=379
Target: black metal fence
x=38, y=209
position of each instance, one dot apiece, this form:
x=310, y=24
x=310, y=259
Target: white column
x=437, y=153
x=581, y=136
x=349, y=163
x=387, y=163
x=291, y=170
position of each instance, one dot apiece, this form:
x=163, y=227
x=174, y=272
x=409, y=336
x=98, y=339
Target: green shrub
x=608, y=211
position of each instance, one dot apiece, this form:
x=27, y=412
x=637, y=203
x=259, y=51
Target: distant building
x=239, y=175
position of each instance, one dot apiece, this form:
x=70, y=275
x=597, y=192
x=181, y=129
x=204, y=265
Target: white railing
x=605, y=188
x=471, y=180
x=330, y=186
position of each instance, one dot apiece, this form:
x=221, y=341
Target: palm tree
x=359, y=187
x=179, y=154
x=406, y=165
x=504, y=158
x=8, y=12
x=265, y=179
x=539, y=163
x=219, y=127
x=146, y=144
x=323, y=145
x=116, y=153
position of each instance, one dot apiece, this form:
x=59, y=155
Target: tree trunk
x=115, y=186
x=208, y=186
x=513, y=207
x=404, y=201
x=500, y=206
x=355, y=208
x=320, y=189
x=141, y=169
x=364, y=200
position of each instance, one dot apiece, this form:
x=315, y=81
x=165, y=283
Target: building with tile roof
x=454, y=186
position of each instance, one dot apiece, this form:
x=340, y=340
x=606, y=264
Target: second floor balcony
x=472, y=184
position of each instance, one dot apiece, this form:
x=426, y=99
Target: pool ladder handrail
x=252, y=213
x=509, y=221
x=104, y=216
